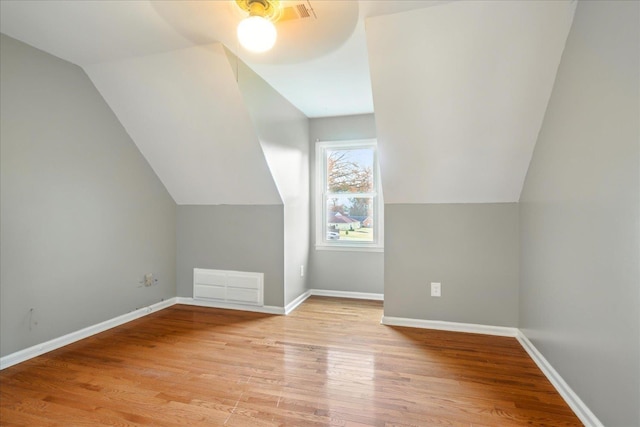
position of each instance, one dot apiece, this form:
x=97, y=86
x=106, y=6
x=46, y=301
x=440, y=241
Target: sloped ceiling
x=331, y=82
x=186, y=114
x=319, y=64
x=460, y=88
x=460, y=91
x=89, y=32
x=283, y=132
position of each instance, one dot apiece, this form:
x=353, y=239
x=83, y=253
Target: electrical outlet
x=302, y=271
x=148, y=279
x=436, y=289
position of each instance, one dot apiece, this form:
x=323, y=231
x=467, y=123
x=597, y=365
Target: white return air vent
x=228, y=286
x=298, y=11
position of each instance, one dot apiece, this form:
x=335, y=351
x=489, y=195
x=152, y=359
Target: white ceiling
x=319, y=65
x=460, y=87
x=196, y=131
x=460, y=104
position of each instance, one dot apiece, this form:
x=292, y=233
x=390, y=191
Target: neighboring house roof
x=338, y=218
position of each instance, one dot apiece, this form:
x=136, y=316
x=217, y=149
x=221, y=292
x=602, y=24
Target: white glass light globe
x=257, y=34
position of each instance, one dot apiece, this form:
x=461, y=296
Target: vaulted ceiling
x=319, y=64
x=459, y=88
x=459, y=105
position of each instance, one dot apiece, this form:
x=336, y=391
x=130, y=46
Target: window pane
x=350, y=171
x=350, y=219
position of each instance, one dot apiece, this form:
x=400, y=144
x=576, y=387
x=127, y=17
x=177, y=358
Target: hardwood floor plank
x=330, y=363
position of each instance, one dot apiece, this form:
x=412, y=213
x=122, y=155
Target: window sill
x=349, y=248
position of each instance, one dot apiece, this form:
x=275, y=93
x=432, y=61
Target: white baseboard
x=581, y=410
x=45, y=347
x=346, y=294
x=335, y=294
x=473, y=328
x=296, y=302
x=229, y=306
x=279, y=310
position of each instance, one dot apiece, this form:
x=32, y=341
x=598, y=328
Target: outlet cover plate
x=436, y=289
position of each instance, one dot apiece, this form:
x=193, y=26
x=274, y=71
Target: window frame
x=321, y=242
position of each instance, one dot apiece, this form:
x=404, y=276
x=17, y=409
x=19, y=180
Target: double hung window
x=348, y=200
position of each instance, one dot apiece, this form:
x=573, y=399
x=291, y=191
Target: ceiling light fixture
x=257, y=33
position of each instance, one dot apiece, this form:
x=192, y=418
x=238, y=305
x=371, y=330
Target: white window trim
x=322, y=243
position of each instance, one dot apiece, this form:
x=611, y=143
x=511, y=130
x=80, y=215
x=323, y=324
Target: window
x=348, y=200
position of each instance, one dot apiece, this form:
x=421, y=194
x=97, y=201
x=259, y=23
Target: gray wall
x=284, y=134
x=580, y=216
x=332, y=269
x=471, y=249
x=83, y=216
x=238, y=237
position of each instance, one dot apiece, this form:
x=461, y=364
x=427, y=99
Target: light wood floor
x=328, y=363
